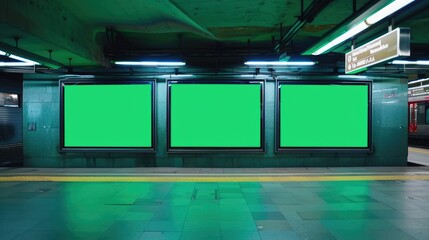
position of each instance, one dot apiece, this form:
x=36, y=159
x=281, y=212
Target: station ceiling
x=204, y=33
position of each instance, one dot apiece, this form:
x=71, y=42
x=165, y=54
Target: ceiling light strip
x=23, y=59
x=360, y=26
x=352, y=76
x=405, y=62
x=276, y=63
x=16, y=64
x=387, y=11
x=25, y=56
x=343, y=37
x=149, y=63
x=176, y=76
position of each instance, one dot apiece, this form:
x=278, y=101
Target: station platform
x=184, y=203
x=418, y=156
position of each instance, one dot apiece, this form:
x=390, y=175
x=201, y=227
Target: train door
x=412, y=119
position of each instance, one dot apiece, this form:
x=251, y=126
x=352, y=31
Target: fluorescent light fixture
x=404, y=62
x=16, y=64
x=363, y=24
x=24, y=62
x=387, y=10
x=146, y=63
x=25, y=56
x=352, y=76
x=176, y=76
x=277, y=63
x=254, y=76
x=23, y=59
x=350, y=33
x=76, y=76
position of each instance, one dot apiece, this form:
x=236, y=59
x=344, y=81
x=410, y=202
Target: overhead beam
x=182, y=15
x=51, y=23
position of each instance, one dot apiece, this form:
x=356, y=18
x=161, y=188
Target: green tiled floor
x=394, y=210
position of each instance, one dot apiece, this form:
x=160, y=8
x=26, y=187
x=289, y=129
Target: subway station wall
x=41, y=144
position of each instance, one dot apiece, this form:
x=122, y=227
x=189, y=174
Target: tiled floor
x=365, y=209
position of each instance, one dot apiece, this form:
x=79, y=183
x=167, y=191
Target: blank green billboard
x=107, y=116
x=215, y=115
x=324, y=115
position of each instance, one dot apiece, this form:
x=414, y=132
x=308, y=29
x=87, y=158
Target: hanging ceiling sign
x=391, y=45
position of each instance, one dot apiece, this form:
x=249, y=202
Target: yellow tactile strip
x=209, y=178
x=418, y=150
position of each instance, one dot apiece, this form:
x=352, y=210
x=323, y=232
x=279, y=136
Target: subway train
x=418, y=113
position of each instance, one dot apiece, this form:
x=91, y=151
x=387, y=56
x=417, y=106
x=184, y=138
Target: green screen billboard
x=323, y=115
x=215, y=115
x=105, y=116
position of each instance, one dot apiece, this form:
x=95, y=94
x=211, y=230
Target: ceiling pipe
x=307, y=16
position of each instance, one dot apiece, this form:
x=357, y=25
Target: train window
x=9, y=100
x=427, y=115
x=421, y=115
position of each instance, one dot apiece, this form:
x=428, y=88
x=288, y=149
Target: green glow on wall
x=215, y=115
x=323, y=115
x=108, y=115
